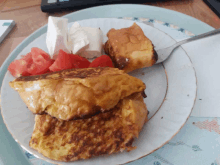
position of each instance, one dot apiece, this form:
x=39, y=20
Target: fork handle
x=204, y=35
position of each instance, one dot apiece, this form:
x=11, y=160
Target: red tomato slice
x=102, y=61
x=41, y=62
x=36, y=52
x=79, y=62
x=28, y=58
x=40, y=67
x=18, y=68
x=62, y=62
x=35, y=62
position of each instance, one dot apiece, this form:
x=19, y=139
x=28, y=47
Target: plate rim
x=152, y=13
x=194, y=102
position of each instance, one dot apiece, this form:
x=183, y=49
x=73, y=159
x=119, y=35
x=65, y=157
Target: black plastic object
x=214, y=5
x=61, y=5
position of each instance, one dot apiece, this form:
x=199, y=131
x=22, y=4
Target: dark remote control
x=60, y=5
x=214, y=5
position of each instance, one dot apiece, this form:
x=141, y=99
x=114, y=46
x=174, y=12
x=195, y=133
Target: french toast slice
x=76, y=93
x=130, y=49
x=106, y=133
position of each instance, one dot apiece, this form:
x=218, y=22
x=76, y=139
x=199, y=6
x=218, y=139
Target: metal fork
x=164, y=53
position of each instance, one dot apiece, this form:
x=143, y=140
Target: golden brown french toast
x=76, y=93
x=130, y=49
x=105, y=133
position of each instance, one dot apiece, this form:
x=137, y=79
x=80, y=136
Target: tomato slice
x=40, y=67
x=18, y=68
x=80, y=62
x=63, y=61
x=28, y=58
x=41, y=62
x=35, y=62
x=36, y=52
x=102, y=61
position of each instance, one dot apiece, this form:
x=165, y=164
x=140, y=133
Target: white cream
x=94, y=49
x=57, y=32
x=77, y=39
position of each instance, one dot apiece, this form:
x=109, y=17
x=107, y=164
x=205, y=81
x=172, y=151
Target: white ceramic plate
x=171, y=90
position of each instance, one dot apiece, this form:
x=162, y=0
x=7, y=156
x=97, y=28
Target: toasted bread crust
x=105, y=133
x=76, y=93
x=70, y=74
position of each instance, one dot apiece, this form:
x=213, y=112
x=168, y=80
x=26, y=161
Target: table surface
x=28, y=23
